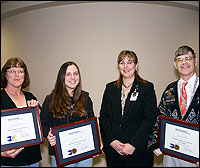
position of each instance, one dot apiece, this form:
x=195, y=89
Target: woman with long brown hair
x=67, y=103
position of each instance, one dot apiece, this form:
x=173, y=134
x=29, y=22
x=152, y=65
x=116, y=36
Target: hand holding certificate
x=76, y=141
x=20, y=127
x=179, y=138
x=11, y=153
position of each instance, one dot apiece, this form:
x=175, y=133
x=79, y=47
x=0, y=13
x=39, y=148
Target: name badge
x=134, y=96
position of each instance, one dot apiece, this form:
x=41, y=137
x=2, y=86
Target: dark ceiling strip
x=58, y=3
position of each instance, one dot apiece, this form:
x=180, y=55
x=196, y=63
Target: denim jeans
x=83, y=163
x=32, y=165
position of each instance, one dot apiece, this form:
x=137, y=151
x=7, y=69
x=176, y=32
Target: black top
x=139, y=115
x=134, y=127
x=48, y=121
x=28, y=155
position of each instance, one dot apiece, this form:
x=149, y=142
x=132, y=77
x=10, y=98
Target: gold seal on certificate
x=179, y=138
x=20, y=127
x=74, y=150
x=76, y=141
x=176, y=147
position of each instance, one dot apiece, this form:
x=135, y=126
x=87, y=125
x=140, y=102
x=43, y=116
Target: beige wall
x=92, y=35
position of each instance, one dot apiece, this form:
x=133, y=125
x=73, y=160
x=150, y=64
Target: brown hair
x=18, y=63
x=60, y=102
x=132, y=55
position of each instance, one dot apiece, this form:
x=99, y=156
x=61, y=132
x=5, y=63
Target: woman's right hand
x=51, y=138
x=11, y=153
x=157, y=152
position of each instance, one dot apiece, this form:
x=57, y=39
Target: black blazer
x=139, y=115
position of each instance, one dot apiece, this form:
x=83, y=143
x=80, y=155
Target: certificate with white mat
x=76, y=141
x=20, y=127
x=179, y=138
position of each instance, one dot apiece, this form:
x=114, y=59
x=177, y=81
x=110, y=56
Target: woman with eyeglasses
x=14, y=78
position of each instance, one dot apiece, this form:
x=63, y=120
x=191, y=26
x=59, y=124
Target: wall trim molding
x=17, y=11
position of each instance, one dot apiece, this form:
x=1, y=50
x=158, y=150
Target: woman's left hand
x=32, y=103
x=128, y=149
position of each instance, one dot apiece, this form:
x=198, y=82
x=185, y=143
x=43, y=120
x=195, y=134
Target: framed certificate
x=76, y=141
x=179, y=138
x=20, y=127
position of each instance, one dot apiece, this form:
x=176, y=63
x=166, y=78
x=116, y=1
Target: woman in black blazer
x=128, y=113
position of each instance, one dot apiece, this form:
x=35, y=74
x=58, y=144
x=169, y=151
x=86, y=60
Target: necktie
x=183, y=103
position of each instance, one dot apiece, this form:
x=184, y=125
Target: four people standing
x=127, y=116
x=128, y=113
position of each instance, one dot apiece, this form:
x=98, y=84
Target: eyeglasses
x=13, y=71
x=187, y=58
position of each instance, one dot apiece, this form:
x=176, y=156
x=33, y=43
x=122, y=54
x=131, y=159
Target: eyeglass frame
x=14, y=71
x=187, y=58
